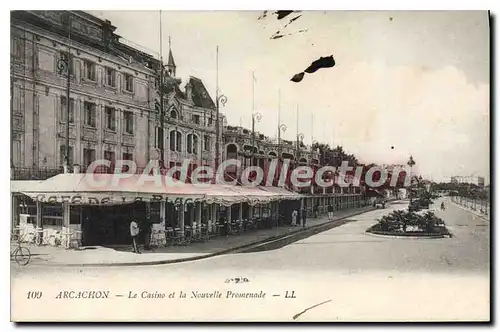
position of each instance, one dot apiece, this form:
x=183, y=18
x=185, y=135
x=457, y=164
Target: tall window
x=110, y=77
x=17, y=47
x=206, y=143
x=88, y=157
x=178, y=142
x=64, y=109
x=89, y=70
x=110, y=118
x=89, y=114
x=62, y=154
x=175, y=141
x=110, y=155
x=129, y=82
x=127, y=156
x=192, y=143
x=64, y=56
x=129, y=122
x=159, y=138
x=172, y=140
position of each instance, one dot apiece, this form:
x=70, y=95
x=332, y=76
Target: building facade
x=114, y=114
x=113, y=94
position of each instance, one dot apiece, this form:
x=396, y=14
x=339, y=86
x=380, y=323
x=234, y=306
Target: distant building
x=477, y=180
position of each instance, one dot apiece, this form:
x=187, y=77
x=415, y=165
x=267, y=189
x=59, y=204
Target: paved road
x=366, y=277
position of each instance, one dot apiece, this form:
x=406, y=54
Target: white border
x=194, y=5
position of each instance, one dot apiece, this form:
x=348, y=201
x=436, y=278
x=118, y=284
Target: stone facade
x=113, y=89
x=110, y=97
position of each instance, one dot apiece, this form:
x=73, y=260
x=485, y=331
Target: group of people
x=300, y=216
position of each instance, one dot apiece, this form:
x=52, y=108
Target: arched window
x=303, y=161
x=231, y=151
x=192, y=143
x=173, y=114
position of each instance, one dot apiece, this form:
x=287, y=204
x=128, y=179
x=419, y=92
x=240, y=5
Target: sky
x=405, y=83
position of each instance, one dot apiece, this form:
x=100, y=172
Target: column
x=199, y=207
x=214, y=217
x=191, y=208
x=240, y=212
x=181, y=219
x=65, y=227
x=162, y=213
x=15, y=210
x=228, y=214
x=300, y=212
x=39, y=226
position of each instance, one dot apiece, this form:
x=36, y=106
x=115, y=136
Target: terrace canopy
x=88, y=189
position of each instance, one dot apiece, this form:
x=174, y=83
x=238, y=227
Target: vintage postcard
x=250, y=166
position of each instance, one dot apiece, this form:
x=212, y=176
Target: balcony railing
x=37, y=173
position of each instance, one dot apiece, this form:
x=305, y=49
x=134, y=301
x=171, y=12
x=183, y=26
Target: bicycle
x=21, y=255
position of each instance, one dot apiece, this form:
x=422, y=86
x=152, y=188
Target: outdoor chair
x=157, y=239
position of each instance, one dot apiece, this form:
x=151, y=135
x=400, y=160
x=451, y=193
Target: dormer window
x=196, y=119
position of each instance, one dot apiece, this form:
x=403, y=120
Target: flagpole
x=162, y=142
x=279, y=106
x=312, y=128
x=217, y=147
x=253, y=92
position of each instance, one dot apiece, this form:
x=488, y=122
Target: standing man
x=330, y=211
x=304, y=215
x=134, y=232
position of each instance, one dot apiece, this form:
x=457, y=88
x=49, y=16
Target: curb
x=408, y=237
x=218, y=253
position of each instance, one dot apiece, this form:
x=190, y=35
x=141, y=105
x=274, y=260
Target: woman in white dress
x=294, y=217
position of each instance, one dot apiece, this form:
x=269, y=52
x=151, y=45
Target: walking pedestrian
x=134, y=232
x=330, y=212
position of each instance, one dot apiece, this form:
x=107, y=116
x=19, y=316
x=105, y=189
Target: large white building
x=476, y=180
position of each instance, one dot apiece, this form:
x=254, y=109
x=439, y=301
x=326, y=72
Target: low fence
x=478, y=205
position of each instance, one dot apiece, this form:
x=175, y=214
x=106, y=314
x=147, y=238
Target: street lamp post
x=281, y=127
x=411, y=163
x=256, y=117
x=300, y=138
x=220, y=99
x=64, y=66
